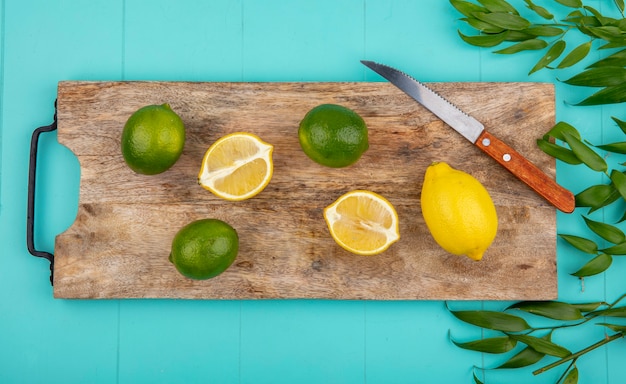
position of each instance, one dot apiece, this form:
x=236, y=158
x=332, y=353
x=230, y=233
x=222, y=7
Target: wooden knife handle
x=527, y=172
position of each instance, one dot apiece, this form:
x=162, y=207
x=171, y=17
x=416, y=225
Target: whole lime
x=333, y=135
x=153, y=139
x=204, y=248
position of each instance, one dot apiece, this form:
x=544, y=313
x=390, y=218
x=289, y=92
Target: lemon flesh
x=362, y=222
x=458, y=211
x=236, y=167
x=204, y=248
x=152, y=139
x=333, y=135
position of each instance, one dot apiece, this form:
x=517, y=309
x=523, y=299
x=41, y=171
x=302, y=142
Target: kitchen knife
x=475, y=132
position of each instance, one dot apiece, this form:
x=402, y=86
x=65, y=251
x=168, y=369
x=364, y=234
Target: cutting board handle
x=32, y=177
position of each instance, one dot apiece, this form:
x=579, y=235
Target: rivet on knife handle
x=527, y=172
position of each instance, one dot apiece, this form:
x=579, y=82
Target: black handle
x=30, y=215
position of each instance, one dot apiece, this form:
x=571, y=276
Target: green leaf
x=580, y=243
x=543, y=30
x=620, y=23
x=553, y=53
x=466, y=8
x=614, y=44
x=490, y=345
x=524, y=358
x=618, y=59
x=597, y=196
x=576, y=55
x=595, y=266
x=532, y=44
x=619, y=181
x=611, y=312
x=610, y=95
x=571, y=3
x=498, y=6
x=601, y=18
x=503, y=20
x=518, y=36
x=583, y=23
x=607, y=231
x=621, y=124
x=551, y=309
x=608, y=33
x=614, y=147
x=562, y=127
x=572, y=376
x=614, y=327
x=564, y=154
x=599, y=77
x=588, y=307
x=574, y=16
x=620, y=5
x=490, y=40
x=616, y=250
x=542, y=345
x=482, y=26
x=541, y=11
x=585, y=154
x=493, y=320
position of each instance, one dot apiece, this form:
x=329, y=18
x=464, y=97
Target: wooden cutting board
x=119, y=244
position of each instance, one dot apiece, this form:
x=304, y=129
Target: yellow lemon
x=237, y=166
x=458, y=211
x=362, y=222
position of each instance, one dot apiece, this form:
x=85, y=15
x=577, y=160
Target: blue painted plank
x=303, y=40
x=303, y=341
x=46, y=340
x=169, y=341
x=409, y=342
x=182, y=41
x=418, y=38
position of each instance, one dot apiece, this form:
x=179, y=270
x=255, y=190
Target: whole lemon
x=204, y=248
x=153, y=139
x=333, y=135
x=458, y=211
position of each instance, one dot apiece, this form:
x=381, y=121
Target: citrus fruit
x=333, y=135
x=458, y=211
x=362, y=222
x=153, y=139
x=204, y=248
x=237, y=166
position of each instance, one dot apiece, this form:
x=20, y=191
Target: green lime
x=204, y=248
x=153, y=139
x=333, y=135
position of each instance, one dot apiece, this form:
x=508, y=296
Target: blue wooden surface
x=294, y=341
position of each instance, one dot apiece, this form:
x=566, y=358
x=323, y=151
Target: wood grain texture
x=119, y=243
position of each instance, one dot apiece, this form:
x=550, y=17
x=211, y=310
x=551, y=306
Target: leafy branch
x=536, y=341
x=498, y=22
x=578, y=152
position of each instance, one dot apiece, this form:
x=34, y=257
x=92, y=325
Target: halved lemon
x=237, y=166
x=363, y=222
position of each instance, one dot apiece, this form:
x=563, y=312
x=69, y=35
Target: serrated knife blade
x=475, y=132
